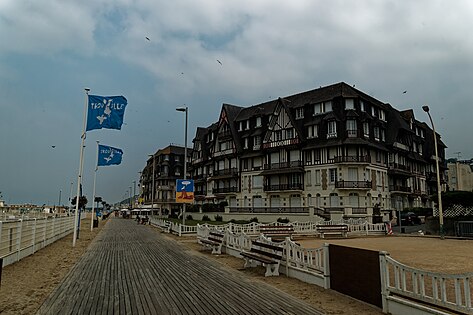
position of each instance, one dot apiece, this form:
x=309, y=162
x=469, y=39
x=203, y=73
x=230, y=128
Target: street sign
x=185, y=190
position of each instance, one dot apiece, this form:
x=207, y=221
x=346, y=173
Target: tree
x=82, y=201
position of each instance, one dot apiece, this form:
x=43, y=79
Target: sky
x=162, y=55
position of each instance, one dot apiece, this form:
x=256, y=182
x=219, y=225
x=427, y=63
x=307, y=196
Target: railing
x=358, y=210
x=269, y=209
x=282, y=165
x=352, y=159
x=397, y=166
x=443, y=290
x=229, y=171
x=399, y=188
x=224, y=190
x=21, y=238
x=353, y=184
x=295, y=186
x=464, y=228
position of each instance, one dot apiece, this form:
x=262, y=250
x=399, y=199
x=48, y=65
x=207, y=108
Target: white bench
x=214, y=241
x=268, y=255
x=335, y=229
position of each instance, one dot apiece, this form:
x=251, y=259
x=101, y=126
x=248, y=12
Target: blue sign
x=105, y=112
x=185, y=190
x=109, y=155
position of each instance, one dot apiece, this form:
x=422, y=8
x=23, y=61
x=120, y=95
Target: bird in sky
x=219, y=62
x=148, y=38
x=404, y=92
x=53, y=146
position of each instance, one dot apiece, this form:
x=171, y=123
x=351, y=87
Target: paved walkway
x=132, y=269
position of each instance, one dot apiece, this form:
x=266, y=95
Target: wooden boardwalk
x=132, y=269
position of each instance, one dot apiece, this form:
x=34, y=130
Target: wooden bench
x=214, y=241
x=337, y=229
x=279, y=232
x=268, y=255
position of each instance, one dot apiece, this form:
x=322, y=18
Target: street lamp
x=152, y=186
x=134, y=193
x=186, y=110
x=439, y=187
x=130, y=198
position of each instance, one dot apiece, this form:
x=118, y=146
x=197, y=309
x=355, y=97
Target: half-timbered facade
x=334, y=149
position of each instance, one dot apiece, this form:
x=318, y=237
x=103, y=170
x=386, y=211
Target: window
x=247, y=124
x=278, y=135
x=333, y=175
x=308, y=157
x=313, y=131
x=378, y=156
x=245, y=164
x=245, y=143
x=258, y=121
x=363, y=106
x=257, y=181
x=376, y=133
x=349, y=103
x=257, y=140
x=317, y=177
x=240, y=126
x=290, y=133
x=308, y=178
x=351, y=128
x=300, y=113
x=382, y=115
x=317, y=155
x=366, y=129
x=166, y=157
x=332, y=129
x=177, y=158
x=324, y=107
x=383, y=135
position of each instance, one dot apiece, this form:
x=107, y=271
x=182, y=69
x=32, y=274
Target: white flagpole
x=81, y=162
x=93, y=195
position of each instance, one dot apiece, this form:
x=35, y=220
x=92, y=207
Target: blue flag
x=109, y=156
x=105, y=112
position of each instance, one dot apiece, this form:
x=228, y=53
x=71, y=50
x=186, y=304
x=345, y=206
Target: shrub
x=255, y=219
x=189, y=217
x=205, y=218
x=209, y=207
x=218, y=218
x=192, y=208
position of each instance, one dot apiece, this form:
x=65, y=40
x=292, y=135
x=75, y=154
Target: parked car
x=410, y=218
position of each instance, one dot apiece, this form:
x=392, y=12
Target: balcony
x=359, y=210
x=282, y=165
x=225, y=190
x=399, y=169
x=352, y=184
x=280, y=187
x=226, y=172
x=366, y=159
x=400, y=189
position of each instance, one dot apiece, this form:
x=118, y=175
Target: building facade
x=330, y=150
x=460, y=175
x=166, y=165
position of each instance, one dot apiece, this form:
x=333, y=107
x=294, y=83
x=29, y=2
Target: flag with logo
x=105, y=112
x=109, y=155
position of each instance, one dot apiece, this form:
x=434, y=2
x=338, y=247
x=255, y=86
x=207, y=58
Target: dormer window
x=247, y=124
x=376, y=133
x=290, y=133
x=382, y=115
x=240, y=126
x=363, y=106
x=349, y=103
x=258, y=122
x=313, y=131
x=323, y=107
x=332, y=129
x=245, y=143
x=300, y=113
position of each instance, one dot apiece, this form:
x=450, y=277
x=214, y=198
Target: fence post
x=1, y=222
x=34, y=236
x=326, y=266
x=384, y=289
x=288, y=250
x=18, y=243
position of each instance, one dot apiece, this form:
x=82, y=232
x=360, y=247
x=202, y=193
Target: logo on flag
x=109, y=156
x=185, y=190
x=105, y=112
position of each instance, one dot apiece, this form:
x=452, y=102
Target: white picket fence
x=21, y=238
x=356, y=227
x=448, y=291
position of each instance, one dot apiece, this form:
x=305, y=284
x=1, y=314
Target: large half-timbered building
x=333, y=149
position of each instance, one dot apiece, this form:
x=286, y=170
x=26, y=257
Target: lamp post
x=186, y=110
x=152, y=185
x=130, y=198
x=134, y=193
x=439, y=187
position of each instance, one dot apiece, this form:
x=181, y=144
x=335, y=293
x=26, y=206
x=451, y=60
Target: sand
x=26, y=284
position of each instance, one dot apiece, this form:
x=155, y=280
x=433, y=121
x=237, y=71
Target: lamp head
x=181, y=109
x=425, y=108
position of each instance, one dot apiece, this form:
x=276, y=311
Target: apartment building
x=330, y=150
x=166, y=165
x=460, y=175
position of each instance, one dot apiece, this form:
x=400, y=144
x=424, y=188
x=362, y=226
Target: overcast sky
x=52, y=49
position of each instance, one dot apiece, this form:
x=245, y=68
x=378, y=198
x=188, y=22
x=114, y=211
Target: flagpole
x=81, y=162
x=93, y=195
